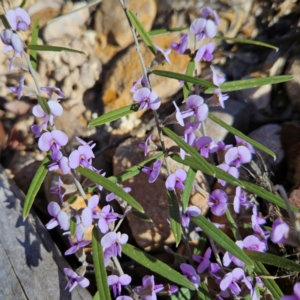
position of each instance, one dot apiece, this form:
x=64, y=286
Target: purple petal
x=108, y=239
x=87, y=217
x=112, y=279
x=55, y=107
x=226, y=281
x=17, y=43
x=197, y=26
x=64, y=166
x=141, y=94
x=51, y=224
x=74, y=159
x=63, y=220
x=125, y=279
x=170, y=182
x=93, y=201
x=103, y=225
x=53, y=209
x=60, y=137
x=245, y=154
x=210, y=29
x=180, y=174
x=83, y=282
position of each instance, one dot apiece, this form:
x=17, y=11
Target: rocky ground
x=100, y=81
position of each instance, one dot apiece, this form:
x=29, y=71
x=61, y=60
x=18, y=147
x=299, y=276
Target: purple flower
x=228, y=257
x=220, y=97
x=18, y=90
x=253, y=243
x=191, y=211
x=204, y=261
x=296, y=295
x=106, y=217
x=49, y=90
x=205, y=52
x=147, y=98
x=165, y=53
x=18, y=19
x=182, y=45
x=206, y=145
x=90, y=212
x=81, y=157
x=256, y=221
x=145, y=145
x=11, y=40
x=208, y=13
x=75, y=279
x=116, y=282
x=233, y=171
x=218, y=77
x=124, y=298
x=236, y=156
x=197, y=105
x=217, y=200
x=280, y=231
x=241, y=142
x=189, y=136
x=140, y=83
x=230, y=281
x=52, y=140
x=190, y=273
x=59, y=162
x=59, y=217
x=114, y=240
x=148, y=290
x=203, y=28
x=240, y=199
x=56, y=189
x=176, y=180
x=55, y=110
x=153, y=172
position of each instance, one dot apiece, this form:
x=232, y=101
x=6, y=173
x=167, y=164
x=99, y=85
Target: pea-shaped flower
x=176, y=180
x=147, y=98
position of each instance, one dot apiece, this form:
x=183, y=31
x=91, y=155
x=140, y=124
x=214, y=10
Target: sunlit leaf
x=185, y=78
x=35, y=186
x=110, y=186
x=174, y=212
x=115, y=114
x=34, y=40
x=100, y=270
x=188, y=186
x=141, y=30
x=241, y=135
x=166, y=30
x=230, y=86
x=53, y=48
x=246, y=41
x=155, y=265
x=190, y=72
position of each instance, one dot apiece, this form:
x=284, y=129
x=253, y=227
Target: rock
x=28, y=255
x=152, y=197
x=116, y=86
x=111, y=25
x=270, y=136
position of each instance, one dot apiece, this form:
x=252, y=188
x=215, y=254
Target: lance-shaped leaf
x=230, y=86
x=174, y=215
x=156, y=266
x=110, y=186
x=246, y=41
x=223, y=240
x=53, y=48
x=23, y=3
x=274, y=260
x=167, y=30
x=141, y=216
x=44, y=104
x=269, y=283
x=220, y=174
x=73, y=222
x=188, y=185
x=115, y=114
x=185, y=78
x=203, y=292
x=141, y=30
x=241, y=135
x=34, y=40
x=135, y=170
x=183, y=293
x=35, y=186
x=190, y=72
x=100, y=271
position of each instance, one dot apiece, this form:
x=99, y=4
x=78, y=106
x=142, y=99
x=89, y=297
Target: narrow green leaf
x=269, y=283
x=223, y=240
x=44, y=104
x=23, y=4
x=274, y=260
x=34, y=40
x=135, y=170
x=72, y=199
x=35, y=185
x=233, y=225
x=97, y=296
x=141, y=216
x=185, y=78
x=246, y=41
x=230, y=86
x=182, y=294
x=110, y=186
x=115, y=114
x=73, y=223
x=100, y=271
x=167, y=30
x=189, y=149
x=203, y=292
x=190, y=72
x=174, y=212
x=220, y=174
x=241, y=135
x=141, y=30
x=53, y=48
x=156, y=266
x=188, y=185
